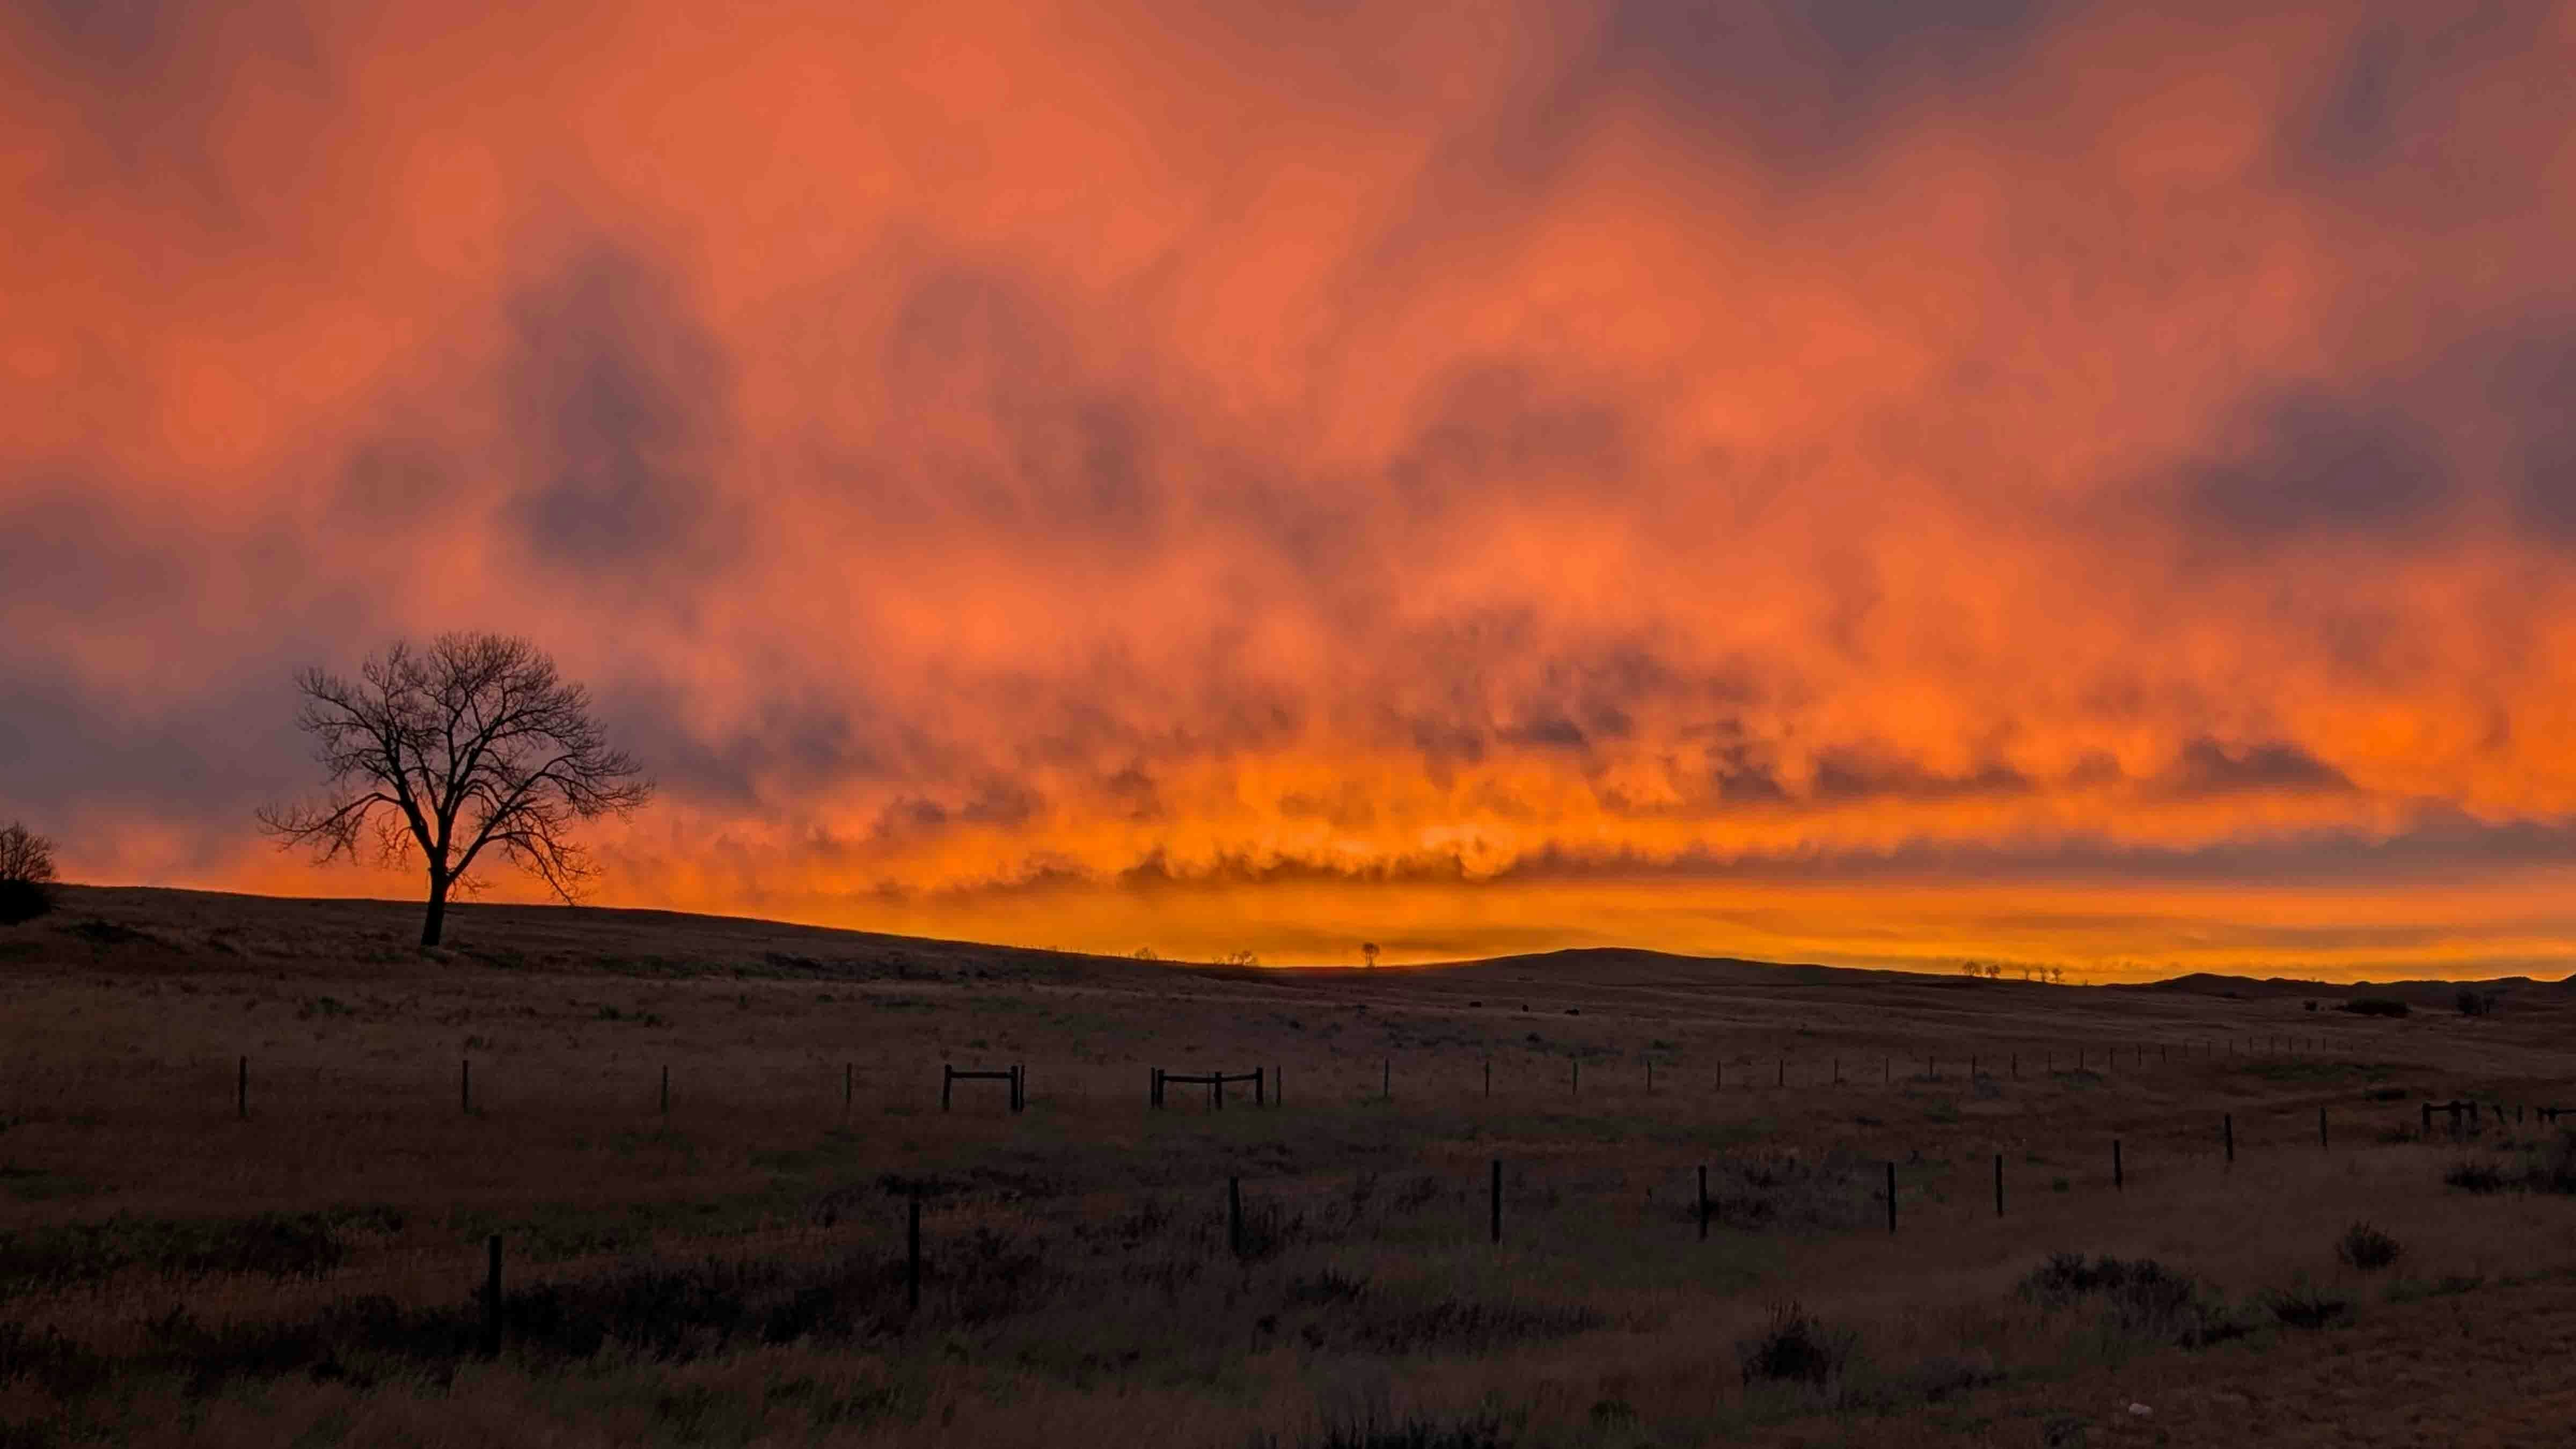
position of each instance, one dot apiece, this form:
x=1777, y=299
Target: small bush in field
x=2472, y=1176
x=2142, y=1296
x=1796, y=1348
x=2367, y=1248
x=2302, y=1306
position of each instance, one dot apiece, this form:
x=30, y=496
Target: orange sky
x=1840, y=479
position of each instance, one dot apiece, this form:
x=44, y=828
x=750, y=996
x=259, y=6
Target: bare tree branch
x=474, y=742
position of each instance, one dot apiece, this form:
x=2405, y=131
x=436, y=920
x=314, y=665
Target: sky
x=1864, y=481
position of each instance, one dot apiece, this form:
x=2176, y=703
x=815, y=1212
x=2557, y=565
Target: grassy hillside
x=731, y=1269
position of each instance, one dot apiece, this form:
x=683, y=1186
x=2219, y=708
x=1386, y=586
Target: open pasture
x=253, y=1154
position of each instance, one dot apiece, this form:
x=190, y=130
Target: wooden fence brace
x=2119, y=1180
x=1234, y=1216
x=1495, y=1199
x=1999, y=1184
x=2227, y=1126
x=241, y=1091
x=912, y=1252
x=1891, y=1199
x=492, y=1298
x=1703, y=1202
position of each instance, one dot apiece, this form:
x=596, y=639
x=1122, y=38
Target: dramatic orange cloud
x=1817, y=478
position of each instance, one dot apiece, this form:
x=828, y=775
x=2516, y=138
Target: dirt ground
x=252, y=1153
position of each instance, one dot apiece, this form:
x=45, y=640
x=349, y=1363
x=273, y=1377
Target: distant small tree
x=2475, y=1003
x=472, y=744
x=1146, y=953
x=1238, y=958
x=26, y=874
x=1368, y=953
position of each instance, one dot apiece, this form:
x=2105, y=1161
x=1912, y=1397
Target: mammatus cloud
x=1838, y=479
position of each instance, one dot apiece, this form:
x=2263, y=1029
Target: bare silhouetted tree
x=26, y=874
x=1368, y=953
x=473, y=743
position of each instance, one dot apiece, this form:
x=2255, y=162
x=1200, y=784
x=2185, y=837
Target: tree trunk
x=430, y=928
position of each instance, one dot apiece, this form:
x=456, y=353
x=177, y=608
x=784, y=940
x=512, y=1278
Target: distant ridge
x=157, y=922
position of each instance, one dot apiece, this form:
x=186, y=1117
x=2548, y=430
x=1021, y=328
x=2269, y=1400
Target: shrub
x=2473, y=1003
x=1796, y=1348
x=2367, y=1248
x=2301, y=1306
x=2375, y=1006
x=2473, y=1176
x=26, y=874
x=2141, y=1296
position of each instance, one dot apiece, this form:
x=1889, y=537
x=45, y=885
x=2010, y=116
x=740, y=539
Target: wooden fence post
x=1891, y=1199
x=1703, y=1202
x=666, y=1091
x=849, y=1073
x=1386, y=1079
x=1782, y=1078
x=1489, y=1077
x=1495, y=1199
x=1234, y=1216
x=1576, y=1080
x=2118, y=1180
x=1999, y=1184
x=1260, y=1088
x=241, y=1091
x=2321, y=1128
x=465, y=1087
x=1650, y=1075
x=2227, y=1125
x=492, y=1298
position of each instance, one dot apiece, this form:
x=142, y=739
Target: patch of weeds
x=2140, y=1296
x=1326, y=1288
x=2470, y=1175
x=35, y=1184
x=1789, y=1191
x=1795, y=1347
x=2307, y=1307
x=2366, y=1248
x=179, y=1250
x=1479, y=1431
x=1944, y=1375
x=1467, y=1326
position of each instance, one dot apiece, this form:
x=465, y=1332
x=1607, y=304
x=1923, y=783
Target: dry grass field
x=733, y=1269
